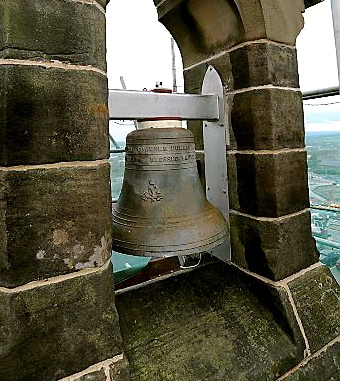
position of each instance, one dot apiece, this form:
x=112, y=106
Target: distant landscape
x=323, y=149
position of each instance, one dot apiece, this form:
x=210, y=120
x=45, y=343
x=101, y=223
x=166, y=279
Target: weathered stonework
x=272, y=247
x=317, y=298
x=66, y=31
x=58, y=328
x=98, y=375
x=257, y=63
x=268, y=184
x=260, y=118
x=56, y=220
x=49, y=115
x=203, y=29
x=57, y=311
x=266, y=119
x=323, y=367
x=115, y=369
x=215, y=323
x=263, y=63
x=120, y=370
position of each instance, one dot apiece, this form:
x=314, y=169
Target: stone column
x=252, y=46
x=57, y=312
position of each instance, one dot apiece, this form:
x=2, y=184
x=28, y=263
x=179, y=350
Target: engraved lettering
x=147, y=149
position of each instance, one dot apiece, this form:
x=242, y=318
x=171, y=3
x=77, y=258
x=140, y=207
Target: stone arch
x=202, y=28
x=274, y=20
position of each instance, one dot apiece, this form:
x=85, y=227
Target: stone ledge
x=317, y=297
x=213, y=323
x=324, y=366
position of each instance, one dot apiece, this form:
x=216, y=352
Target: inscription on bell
x=173, y=159
x=161, y=148
x=147, y=149
x=161, y=154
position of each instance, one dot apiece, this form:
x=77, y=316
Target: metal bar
x=320, y=93
x=328, y=208
x=326, y=242
x=173, y=62
x=113, y=141
x=117, y=150
x=335, y=4
x=148, y=104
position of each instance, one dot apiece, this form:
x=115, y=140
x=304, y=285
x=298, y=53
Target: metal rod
x=335, y=5
x=118, y=150
x=113, y=141
x=326, y=242
x=328, y=208
x=174, y=75
x=320, y=93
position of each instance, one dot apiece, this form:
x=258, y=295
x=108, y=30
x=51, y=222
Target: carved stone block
x=52, y=115
x=66, y=31
x=268, y=184
x=274, y=248
x=55, y=221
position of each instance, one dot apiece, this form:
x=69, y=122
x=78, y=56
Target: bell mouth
x=171, y=237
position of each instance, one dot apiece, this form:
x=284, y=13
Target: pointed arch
x=203, y=28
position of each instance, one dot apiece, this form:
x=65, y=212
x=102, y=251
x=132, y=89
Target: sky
x=139, y=50
x=138, y=46
x=318, y=64
x=316, y=49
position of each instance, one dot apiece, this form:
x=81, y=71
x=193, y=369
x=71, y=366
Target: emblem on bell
x=162, y=210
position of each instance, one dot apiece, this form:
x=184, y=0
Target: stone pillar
x=252, y=47
x=57, y=312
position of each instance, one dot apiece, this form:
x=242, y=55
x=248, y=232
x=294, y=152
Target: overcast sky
x=139, y=48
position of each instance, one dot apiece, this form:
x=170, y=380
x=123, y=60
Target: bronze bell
x=162, y=210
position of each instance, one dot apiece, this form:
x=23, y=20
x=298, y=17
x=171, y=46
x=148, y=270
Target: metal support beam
x=147, y=104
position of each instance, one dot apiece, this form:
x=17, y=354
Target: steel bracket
x=215, y=153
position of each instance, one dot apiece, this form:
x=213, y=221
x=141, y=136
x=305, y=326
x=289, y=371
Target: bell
x=162, y=210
